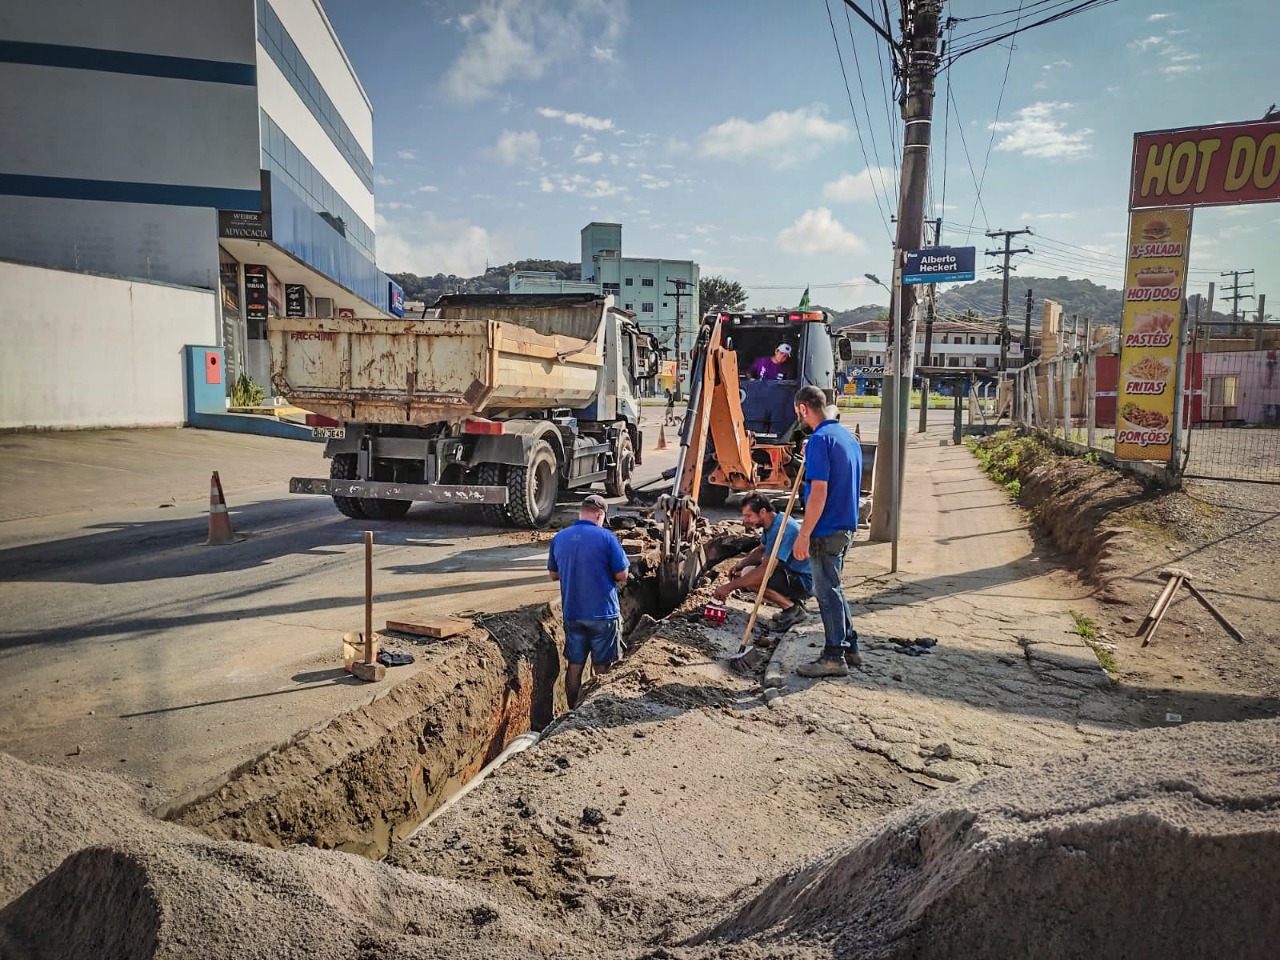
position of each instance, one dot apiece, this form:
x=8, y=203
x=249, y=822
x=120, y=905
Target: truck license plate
x=329, y=433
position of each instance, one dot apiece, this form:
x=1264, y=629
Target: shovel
x=748, y=656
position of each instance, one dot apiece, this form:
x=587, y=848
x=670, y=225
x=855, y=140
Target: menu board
x=1150, y=331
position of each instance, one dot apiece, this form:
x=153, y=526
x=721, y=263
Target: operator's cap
x=784, y=348
x=595, y=502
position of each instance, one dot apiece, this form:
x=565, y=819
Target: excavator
x=740, y=429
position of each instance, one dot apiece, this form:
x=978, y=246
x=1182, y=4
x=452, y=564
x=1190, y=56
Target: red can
x=715, y=613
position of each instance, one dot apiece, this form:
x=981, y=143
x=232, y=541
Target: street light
x=876, y=280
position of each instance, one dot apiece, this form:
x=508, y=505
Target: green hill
x=493, y=280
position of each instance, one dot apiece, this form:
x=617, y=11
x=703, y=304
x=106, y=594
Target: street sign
x=939, y=265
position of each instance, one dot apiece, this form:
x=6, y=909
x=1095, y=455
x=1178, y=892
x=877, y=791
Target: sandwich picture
x=1156, y=231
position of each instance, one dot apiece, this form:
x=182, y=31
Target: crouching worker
x=589, y=563
x=791, y=582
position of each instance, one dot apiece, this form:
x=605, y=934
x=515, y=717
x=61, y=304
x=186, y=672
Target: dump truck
x=503, y=401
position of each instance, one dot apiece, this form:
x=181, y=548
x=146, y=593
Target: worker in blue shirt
x=833, y=471
x=791, y=582
x=589, y=563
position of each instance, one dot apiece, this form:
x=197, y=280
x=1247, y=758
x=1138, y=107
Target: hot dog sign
x=1149, y=331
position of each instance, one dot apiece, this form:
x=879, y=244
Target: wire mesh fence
x=1230, y=404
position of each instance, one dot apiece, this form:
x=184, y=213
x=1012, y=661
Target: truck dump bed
x=478, y=356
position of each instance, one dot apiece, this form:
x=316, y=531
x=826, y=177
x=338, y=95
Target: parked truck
x=503, y=401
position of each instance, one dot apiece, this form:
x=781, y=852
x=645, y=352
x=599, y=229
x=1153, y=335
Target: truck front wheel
x=377, y=509
x=343, y=467
x=532, y=489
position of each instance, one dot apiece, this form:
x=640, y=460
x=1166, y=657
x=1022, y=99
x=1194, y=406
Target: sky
x=721, y=131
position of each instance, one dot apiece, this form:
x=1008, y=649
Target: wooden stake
x=1174, y=583
x=1217, y=614
x=773, y=559
x=369, y=655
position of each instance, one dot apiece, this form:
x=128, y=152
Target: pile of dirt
x=88, y=873
x=1162, y=843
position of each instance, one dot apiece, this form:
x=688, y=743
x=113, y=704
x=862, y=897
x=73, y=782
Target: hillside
x=1081, y=298
x=493, y=280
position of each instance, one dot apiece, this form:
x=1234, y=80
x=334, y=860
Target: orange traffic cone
x=662, y=437
x=220, y=531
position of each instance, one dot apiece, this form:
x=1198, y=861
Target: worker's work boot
x=824, y=666
x=793, y=616
x=851, y=656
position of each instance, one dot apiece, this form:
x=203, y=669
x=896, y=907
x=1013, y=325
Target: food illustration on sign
x=1149, y=368
x=1158, y=322
x=1157, y=277
x=1140, y=418
x=1156, y=231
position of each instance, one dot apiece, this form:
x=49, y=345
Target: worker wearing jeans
x=833, y=471
x=589, y=563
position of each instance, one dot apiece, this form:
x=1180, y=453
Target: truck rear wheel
x=533, y=489
x=615, y=485
x=493, y=475
x=343, y=467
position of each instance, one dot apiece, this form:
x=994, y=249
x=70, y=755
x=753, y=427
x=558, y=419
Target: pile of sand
x=111, y=881
x=1164, y=843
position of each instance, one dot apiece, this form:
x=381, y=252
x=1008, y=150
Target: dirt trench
x=369, y=777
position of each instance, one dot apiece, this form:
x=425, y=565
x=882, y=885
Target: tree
x=719, y=292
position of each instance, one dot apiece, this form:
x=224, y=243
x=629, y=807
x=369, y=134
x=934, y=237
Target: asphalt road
x=128, y=645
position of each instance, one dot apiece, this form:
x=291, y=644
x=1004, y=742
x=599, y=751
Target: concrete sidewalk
x=1009, y=678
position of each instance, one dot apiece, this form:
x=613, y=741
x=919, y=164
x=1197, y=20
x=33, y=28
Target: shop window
x=646, y=282
x=630, y=281
x=646, y=307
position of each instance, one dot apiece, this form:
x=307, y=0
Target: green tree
x=719, y=292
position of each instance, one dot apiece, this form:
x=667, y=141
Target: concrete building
x=222, y=151
x=961, y=344
x=648, y=287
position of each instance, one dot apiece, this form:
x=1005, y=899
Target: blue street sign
x=939, y=265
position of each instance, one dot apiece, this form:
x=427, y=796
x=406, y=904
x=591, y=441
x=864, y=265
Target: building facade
x=663, y=294
x=220, y=147
x=960, y=344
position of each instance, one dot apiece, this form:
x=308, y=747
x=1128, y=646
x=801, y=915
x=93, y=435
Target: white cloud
x=395, y=205
x=1038, y=133
x=817, y=231
x=427, y=245
x=604, y=54
x=517, y=147
x=596, y=157
x=514, y=40
x=1146, y=43
x=855, y=187
x=576, y=119
x=1046, y=216
x=1171, y=59
x=425, y=188
x=407, y=154
x=786, y=137
x=546, y=186
x=380, y=181
x=1157, y=16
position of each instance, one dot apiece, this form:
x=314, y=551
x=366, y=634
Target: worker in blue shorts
x=589, y=563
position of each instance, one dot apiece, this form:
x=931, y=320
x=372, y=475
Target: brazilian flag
x=804, y=301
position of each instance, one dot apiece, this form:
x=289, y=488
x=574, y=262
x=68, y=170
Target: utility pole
x=919, y=54
x=930, y=308
x=1236, y=296
x=1006, y=253
x=678, y=295
x=1026, y=331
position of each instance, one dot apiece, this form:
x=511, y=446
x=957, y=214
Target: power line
x=995, y=123
x=953, y=56
x=968, y=159
x=884, y=90
x=871, y=127
x=884, y=217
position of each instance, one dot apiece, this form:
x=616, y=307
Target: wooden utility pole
x=1004, y=268
x=919, y=52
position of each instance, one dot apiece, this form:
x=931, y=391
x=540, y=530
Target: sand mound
x=1163, y=843
x=111, y=881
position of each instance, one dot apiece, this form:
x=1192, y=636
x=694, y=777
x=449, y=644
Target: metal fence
x=1230, y=400
x=1233, y=415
